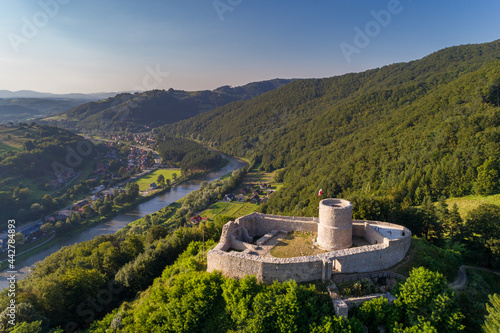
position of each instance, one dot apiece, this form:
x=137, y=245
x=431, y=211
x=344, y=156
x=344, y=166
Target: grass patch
x=5, y=148
x=56, y=117
x=255, y=177
x=35, y=184
x=470, y=202
x=146, y=180
x=232, y=209
x=296, y=244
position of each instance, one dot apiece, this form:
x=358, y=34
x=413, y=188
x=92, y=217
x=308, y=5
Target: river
x=118, y=222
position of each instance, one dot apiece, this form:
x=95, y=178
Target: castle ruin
x=243, y=248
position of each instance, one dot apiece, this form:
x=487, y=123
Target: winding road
x=461, y=280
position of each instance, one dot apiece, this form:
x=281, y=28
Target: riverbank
x=150, y=205
x=54, y=239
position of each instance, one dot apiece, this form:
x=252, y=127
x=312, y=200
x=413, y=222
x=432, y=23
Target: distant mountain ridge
x=144, y=111
x=408, y=131
x=36, y=94
x=26, y=109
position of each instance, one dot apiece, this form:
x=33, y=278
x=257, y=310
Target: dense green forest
x=131, y=281
x=187, y=299
x=428, y=128
x=188, y=155
x=142, y=111
x=77, y=285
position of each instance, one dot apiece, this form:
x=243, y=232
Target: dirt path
x=461, y=280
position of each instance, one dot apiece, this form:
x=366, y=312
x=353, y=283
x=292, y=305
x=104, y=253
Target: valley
x=151, y=186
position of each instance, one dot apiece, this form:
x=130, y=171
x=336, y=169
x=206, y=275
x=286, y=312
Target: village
x=111, y=172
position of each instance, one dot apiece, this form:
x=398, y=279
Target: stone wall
x=257, y=225
x=342, y=306
x=373, y=236
x=234, y=264
x=384, y=254
x=358, y=228
x=267, y=223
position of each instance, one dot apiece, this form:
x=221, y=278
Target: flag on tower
x=320, y=192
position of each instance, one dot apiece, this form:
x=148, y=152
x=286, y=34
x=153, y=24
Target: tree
x=36, y=209
x=23, y=193
x=25, y=327
x=28, y=145
x=25, y=312
x=75, y=218
x=420, y=288
x=47, y=201
x=174, y=176
x=122, y=172
x=132, y=191
x=19, y=238
x=374, y=312
x=482, y=231
x=87, y=211
x=132, y=246
x=114, y=165
x=66, y=291
x=493, y=95
x=154, y=233
x=160, y=180
x=423, y=327
x=432, y=229
x=425, y=296
x=492, y=320
x=59, y=226
x=47, y=227
x=454, y=223
x=338, y=324
x=487, y=181
x=105, y=209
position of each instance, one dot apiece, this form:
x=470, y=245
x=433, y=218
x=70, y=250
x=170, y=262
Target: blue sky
x=64, y=46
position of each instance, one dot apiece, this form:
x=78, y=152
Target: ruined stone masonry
x=236, y=256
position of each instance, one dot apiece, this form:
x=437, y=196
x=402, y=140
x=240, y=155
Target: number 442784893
x=11, y=254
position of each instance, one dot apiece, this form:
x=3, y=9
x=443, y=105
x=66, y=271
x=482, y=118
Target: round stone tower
x=335, y=224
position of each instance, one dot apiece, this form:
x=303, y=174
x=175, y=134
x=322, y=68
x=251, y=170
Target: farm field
x=12, y=138
x=145, y=181
x=5, y=148
x=57, y=117
x=470, y=202
x=232, y=209
x=255, y=177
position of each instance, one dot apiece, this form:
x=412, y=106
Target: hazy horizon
x=63, y=46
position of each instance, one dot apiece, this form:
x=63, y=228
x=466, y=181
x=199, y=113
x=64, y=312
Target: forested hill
x=143, y=111
x=23, y=109
x=425, y=128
